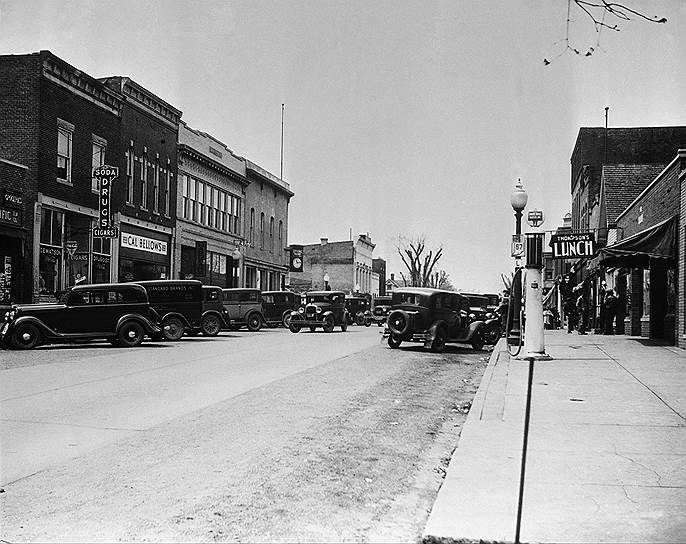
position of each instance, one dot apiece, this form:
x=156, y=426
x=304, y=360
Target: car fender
x=433, y=330
x=251, y=312
x=150, y=328
x=213, y=312
x=42, y=327
x=474, y=326
x=327, y=313
x=175, y=314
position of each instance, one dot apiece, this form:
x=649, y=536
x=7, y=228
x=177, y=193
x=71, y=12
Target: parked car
x=179, y=303
x=358, y=309
x=119, y=313
x=431, y=316
x=325, y=309
x=481, y=309
x=278, y=305
x=381, y=307
x=243, y=307
x=212, y=320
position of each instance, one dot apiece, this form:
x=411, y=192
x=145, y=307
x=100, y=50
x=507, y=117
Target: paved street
x=249, y=436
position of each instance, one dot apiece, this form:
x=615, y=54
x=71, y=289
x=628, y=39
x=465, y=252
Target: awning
x=658, y=242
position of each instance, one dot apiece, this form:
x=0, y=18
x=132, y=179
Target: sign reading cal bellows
x=573, y=245
x=142, y=243
x=105, y=175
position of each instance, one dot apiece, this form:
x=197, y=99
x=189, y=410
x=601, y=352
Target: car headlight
x=319, y=310
x=489, y=316
x=301, y=310
x=472, y=316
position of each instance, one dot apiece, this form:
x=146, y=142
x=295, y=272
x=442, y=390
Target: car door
x=85, y=312
x=232, y=305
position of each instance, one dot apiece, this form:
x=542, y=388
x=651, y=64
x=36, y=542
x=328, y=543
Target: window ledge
x=65, y=182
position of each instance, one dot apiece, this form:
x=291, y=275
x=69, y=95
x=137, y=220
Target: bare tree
x=419, y=261
x=441, y=280
x=603, y=15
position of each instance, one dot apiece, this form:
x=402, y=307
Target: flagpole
x=282, y=107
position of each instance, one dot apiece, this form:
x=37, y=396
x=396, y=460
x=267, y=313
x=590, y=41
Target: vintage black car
x=481, y=308
x=382, y=305
x=324, y=309
x=212, y=320
x=433, y=317
x=243, y=307
x=278, y=305
x=359, y=309
x=179, y=303
x=119, y=313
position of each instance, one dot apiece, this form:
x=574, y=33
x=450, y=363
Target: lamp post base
x=534, y=355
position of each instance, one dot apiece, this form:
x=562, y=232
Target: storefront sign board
x=573, y=246
x=142, y=243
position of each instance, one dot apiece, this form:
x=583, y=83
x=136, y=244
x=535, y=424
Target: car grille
x=311, y=312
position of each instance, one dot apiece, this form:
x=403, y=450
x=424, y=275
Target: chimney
x=392, y=276
x=323, y=241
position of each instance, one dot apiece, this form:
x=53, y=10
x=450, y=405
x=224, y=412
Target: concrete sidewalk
x=606, y=460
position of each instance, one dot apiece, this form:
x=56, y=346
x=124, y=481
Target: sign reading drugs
x=105, y=175
x=573, y=246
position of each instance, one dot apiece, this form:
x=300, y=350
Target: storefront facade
x=210, y=212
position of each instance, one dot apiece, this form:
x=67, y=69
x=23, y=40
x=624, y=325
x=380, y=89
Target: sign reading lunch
x=573, y=245
x=141, y=243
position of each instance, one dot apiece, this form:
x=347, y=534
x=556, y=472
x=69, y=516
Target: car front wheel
x=329, y=323
x=130, y=334
x=25, y=336
x=173, y=328
x=477, y=342
x=210, y=325
x=438, y=343
x=294, y=326
x=394, y=342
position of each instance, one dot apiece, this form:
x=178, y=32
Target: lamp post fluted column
x=518, y=200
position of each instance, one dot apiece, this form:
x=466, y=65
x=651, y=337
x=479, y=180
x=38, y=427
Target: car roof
x=427, y=291
x=275, y=292
x=325, y=293
x=162, y=282
x=208, y=287
x=241, y=289
x=90, y=286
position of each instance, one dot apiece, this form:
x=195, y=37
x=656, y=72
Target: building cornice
x=186, y=150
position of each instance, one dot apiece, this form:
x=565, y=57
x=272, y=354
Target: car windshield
x=407, y=298
x=478, y=302
x=318, y=298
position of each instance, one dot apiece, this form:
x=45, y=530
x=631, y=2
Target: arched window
x=271, y=234
x=281, y=238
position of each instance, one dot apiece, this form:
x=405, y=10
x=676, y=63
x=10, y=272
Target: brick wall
x=333, y=258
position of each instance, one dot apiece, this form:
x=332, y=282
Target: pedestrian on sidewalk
x=611, y=302
x=571, y=314
x=582, y=309
x=602, y=293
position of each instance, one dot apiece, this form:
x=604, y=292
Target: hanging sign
x=573, y=246
x=535, y=218
x=296, y=262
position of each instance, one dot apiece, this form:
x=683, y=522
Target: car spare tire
x=399, y=322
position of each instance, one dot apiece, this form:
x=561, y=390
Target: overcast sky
x=401, y=118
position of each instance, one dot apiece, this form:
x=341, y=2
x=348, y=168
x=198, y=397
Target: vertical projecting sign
x=105, y=176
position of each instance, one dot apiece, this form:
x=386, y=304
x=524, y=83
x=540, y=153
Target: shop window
x=51, y=227
x=646, y=293
x=65, y=133
x=130, y=270
x=97, y=160
x=187, y=262
x=77, y=228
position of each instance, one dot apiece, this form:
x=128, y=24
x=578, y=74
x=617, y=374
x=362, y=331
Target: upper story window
x=252, y=227
x=271, y=234
x=156, y=187
x=130, y=161
x=167, y=188
x=262, y=230
x=65, y=132
x=98, y=159
x=144, y=182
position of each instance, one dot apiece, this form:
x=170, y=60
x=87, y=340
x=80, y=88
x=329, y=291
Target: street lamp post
x=518, y=200
x=326, y=282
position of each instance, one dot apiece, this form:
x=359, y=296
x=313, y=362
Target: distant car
x=325, y=309
x=484, y=308
x=358, y=309
x=381, y=307
x=243, y=307
x=278, y=305
x=119, y=313
x=433, y=317
x=179, y=303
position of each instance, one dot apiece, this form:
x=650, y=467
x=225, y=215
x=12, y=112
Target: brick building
x=57, y=124
x=379, y=268
x=210, y=216
x=144, y=196
x=347, y=264
x=264, y=259
x=646, y=261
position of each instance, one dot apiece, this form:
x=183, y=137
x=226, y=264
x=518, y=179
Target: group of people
x=576, y=308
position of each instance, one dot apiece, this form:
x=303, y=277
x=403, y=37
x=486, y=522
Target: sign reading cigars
x=105, y=175
x=573, y=245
